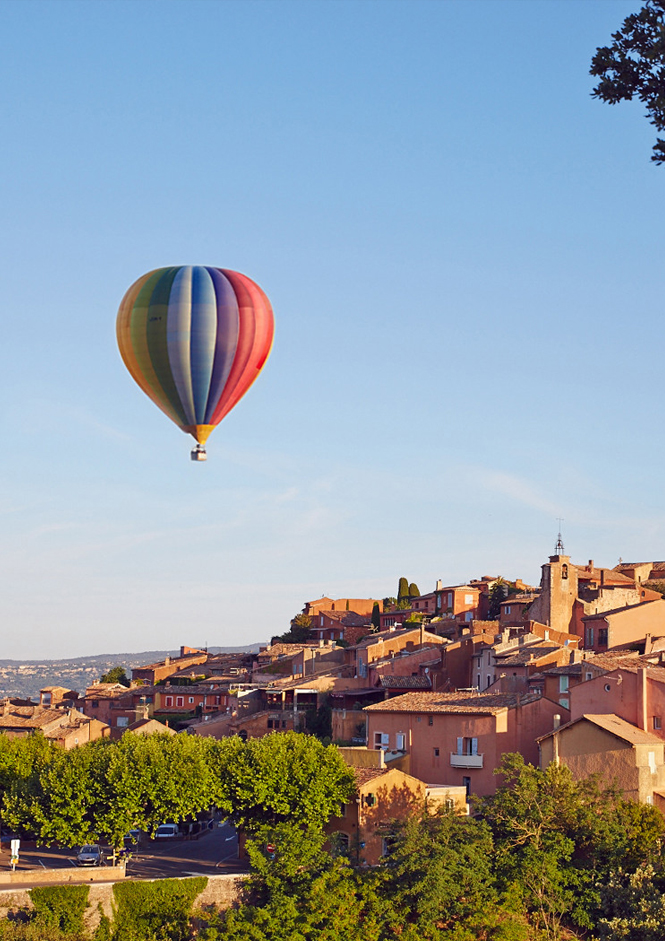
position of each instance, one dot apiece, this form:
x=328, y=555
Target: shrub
x=61, y=906
x=155, y=911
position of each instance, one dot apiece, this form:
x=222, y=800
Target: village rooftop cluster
x=425, y=697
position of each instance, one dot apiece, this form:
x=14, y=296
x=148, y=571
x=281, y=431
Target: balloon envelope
x=195, y=338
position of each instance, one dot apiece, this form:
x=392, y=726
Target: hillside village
x=423, y=693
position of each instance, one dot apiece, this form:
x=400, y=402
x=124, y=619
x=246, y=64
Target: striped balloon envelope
x=194, y=339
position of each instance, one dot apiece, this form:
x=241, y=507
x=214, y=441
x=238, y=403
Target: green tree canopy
x=298, y=633
x=633, y=66
x=403, y=589
x=285, y=776
x=414, y=591
x=115, y=675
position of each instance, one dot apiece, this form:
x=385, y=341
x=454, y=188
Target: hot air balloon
x=194, y=339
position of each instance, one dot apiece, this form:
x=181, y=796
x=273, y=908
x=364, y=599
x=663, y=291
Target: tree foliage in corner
x=634, y=66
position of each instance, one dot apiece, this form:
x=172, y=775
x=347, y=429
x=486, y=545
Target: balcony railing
x=466, y=761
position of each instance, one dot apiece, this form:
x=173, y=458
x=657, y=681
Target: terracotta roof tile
x=405, y=682
x=458, y=702
x=365, y=775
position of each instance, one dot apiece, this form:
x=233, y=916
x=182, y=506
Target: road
x=213, y=852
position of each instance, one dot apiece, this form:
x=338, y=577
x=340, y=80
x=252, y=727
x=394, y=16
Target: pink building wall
x=635, y=697
x=508, y=730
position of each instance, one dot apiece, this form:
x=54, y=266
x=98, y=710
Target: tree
x=376, y=616
x=557, y=840
x=286, y=776
x=497, y=594
x=634, y=66
x=403, y=589
x=438, y=874
x=414, y=591
x=299, y=633
x=115, y=675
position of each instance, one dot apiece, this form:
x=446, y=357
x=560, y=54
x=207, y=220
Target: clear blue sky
x=464, y=252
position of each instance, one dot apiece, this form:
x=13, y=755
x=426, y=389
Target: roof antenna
x=558, y=549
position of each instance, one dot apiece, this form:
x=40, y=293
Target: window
x=381, y=740
x=589, y=637
x=564, y=571
x=180, y=701
x=467, y=746
x=191, y=699
x=602, y=636
x=563, y=684
x=370, y=800
x=466, y=782
x=588, y=676
x=400, y=741
x=489, y=680
x=564, y=703
x=430, y=720
x=436, y=752
x=547, y=636
x=270, y=723
x=479, y=681
x=94, y=703
x=122, y=722
x=656, y=722
x=169, y=700
x=507, y=609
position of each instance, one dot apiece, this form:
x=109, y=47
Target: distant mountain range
x=25, y=678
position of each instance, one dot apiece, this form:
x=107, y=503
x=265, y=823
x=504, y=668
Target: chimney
x=642, y=704
x=167, y=660
x=555, y=740
x=439, y=585
x=591, y=564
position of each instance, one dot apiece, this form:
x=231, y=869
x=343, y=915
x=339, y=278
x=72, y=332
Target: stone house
x=616, y=750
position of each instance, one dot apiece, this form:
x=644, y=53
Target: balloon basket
x=199, y=454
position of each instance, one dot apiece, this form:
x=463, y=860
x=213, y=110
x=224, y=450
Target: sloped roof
x=460, y=702
x=616, y=726
x=404, y=682
x=365, y=775
x=524, y=655
x=623, y=609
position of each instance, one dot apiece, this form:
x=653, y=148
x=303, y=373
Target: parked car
x=166, y=831
x=132, y=838
x=90, y=855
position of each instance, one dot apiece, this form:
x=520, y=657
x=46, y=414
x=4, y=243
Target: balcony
x=466, y=761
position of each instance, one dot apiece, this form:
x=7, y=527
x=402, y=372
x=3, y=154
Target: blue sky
x=464, y=255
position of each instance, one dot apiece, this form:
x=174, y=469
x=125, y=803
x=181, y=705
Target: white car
x=166, y=831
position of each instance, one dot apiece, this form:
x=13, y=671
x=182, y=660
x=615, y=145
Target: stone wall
x=221, y=891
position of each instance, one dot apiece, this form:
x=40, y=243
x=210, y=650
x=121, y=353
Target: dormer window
x=564, y=571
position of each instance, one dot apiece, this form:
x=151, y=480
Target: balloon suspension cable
x=199, y=453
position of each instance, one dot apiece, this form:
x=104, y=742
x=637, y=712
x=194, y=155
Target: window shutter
x=460, y=746
x=474, y=746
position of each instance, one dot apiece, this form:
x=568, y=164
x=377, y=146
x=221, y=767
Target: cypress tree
x=414, y=591
x=403, y=590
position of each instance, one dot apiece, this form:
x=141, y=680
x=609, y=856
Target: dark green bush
x=155, y=911
x=61, y=906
